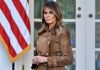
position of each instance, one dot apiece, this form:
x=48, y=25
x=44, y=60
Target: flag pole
x=13, y=66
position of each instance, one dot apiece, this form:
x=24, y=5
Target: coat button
x=46, y=54
x=45, y=64
x=37, y=42
x=48, y=42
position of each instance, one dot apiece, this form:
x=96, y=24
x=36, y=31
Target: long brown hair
x=56, y=11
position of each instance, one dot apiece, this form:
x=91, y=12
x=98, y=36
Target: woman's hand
x=39, y=59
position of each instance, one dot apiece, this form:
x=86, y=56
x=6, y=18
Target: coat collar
x=55, y=30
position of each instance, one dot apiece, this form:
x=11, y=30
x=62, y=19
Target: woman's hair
x=56, y=11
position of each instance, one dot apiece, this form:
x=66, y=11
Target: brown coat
x=56, y=48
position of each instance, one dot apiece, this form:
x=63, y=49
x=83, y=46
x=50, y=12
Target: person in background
x=53, y=46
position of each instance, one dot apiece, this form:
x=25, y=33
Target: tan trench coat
x=56, y=48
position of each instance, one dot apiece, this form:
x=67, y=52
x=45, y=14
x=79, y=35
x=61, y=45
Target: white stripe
x=10, y=34
x=0, y=17
x=17, y=18
x=25, y=5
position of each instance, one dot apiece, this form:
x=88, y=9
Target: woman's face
x=49, y=16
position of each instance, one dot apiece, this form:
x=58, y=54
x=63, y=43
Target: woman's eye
x=51, y=12
x=45, y=12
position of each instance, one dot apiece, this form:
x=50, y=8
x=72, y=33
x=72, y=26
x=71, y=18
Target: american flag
x=15, y=27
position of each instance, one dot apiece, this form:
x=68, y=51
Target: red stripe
x=13, y=25
x=0, y=2
x=7, y=41
x=22, y=13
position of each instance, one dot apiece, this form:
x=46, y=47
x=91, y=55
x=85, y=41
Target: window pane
x=97, y=60
x=37, y=26
x=97, y=9
x=37, y=7
x=72, y=29
x=97, y=34
x=68, y=8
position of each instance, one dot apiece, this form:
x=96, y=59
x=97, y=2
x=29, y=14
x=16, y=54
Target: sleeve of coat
x=66, y=51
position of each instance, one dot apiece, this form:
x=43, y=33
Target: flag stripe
x=14, y=27
x=17, y=18
x=25, y=5
x=6, y=26
x=22, y=12
x=7, y=41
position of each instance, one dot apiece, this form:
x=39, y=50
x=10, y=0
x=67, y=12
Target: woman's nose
x=47, y=14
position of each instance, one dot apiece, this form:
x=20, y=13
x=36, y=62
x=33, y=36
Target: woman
x=53, y=43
